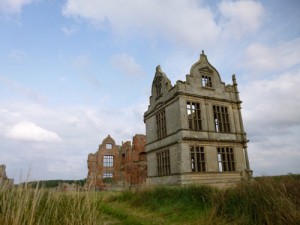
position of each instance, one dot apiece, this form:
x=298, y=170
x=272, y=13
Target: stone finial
x=158, y=69
x=203, y=56
x=233, y=79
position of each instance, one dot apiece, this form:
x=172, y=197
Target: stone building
x=194, y=130
x=114, y=166
x=3, y=177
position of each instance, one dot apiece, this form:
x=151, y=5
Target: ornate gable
x=161, y=84
x=205, y=73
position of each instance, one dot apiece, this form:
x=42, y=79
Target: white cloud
x=189, y=23
x=274, y=102
x=271, y=117
x=127, y=64
x=179, y=21
x=260, y=58
x=80, y=128
x=28, y=131
x=13, y=6
x=240, y=17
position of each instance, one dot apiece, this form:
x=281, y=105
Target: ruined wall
x=134, y=170
x=104, y=165
x=3, y=178
x=129, y=166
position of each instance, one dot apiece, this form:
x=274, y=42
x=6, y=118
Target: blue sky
x=74, y=71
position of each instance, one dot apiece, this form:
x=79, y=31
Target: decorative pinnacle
x=158, y=69
x=233, y=79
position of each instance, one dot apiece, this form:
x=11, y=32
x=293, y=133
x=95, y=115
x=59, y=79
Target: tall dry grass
x=266, y=201
x=28, y=206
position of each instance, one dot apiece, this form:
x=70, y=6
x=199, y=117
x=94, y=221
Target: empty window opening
x=197, y=159
x=108, y=146
x=226, y=160
x=108, y=160
x=221, y=119
x=194, y=115
x=206, y=81
x=143, y=157
x=163, y=163
x=161, y=128
x=107, y=177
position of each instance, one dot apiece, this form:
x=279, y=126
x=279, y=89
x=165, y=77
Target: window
x=108, y=161
x=161, y=125
x=194, y=115
x=197, y=159
x=163, y=162
x=226, y=159
x=157, y=84
x=107, y=177
x=206, y=81
x=108, y=146
x=158, y=89
x=221, y=119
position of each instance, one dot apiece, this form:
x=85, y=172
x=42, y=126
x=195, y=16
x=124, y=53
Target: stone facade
x=194, y=130
x=117, y=167
x=3, y=178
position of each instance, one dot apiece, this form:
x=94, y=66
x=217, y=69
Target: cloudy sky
x=74, y=71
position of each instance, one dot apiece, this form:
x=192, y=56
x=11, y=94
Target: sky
x=74, y=71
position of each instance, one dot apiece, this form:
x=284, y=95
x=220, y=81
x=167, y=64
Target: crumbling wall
x=3, y=178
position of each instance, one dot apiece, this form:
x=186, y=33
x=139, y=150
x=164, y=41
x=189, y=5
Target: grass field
x=267, y=201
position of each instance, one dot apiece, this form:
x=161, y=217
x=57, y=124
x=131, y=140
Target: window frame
x=226, y=159
x=194, y=115
x=107, y=177
x=158, y=86
x=109, y=146
x=161, y=125
x=206, y=81
x=221, y=119
x=163, y=163
x=198, y=163
x=108, y=161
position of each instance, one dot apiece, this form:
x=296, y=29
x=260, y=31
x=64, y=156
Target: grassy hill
x=265, y=201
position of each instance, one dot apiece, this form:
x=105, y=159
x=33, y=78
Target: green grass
x=265, y=201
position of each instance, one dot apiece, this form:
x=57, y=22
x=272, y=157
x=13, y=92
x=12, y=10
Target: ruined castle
x=194, y=135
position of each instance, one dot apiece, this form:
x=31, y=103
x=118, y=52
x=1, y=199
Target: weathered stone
x=3, y=178
x=194, y=130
